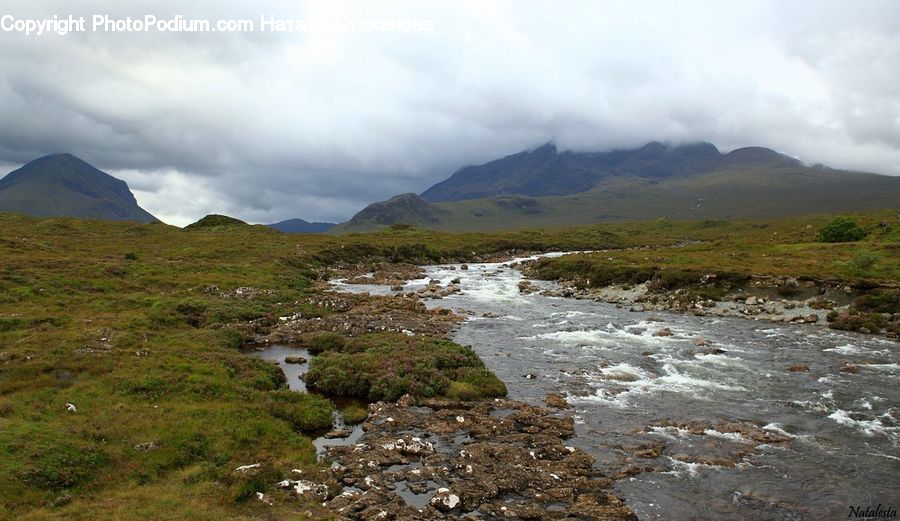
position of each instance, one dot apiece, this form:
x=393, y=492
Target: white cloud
x=269, y=126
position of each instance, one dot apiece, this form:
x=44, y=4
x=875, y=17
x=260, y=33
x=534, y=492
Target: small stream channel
x=277, y=353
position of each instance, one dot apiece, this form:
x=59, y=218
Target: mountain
x=404, y=208
x=301, y=226
x=216, y=222
x=548, y=188
x=63, y=185
x=546, y=171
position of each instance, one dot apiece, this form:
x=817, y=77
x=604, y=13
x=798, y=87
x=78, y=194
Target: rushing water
x=844, y=429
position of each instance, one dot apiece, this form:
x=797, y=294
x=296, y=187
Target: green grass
x=736, y=250
x=385, y=366
x=139, y=326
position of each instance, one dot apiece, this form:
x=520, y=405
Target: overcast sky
x=317, y=124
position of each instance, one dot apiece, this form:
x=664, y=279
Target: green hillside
x=732, y=192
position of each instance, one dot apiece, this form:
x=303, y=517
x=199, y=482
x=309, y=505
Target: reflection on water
x=277, y=353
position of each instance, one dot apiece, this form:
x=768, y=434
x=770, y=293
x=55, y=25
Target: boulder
x=337, y=433
x=556, y=400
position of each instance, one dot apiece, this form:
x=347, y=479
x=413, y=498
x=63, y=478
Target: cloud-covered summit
x=268, y=126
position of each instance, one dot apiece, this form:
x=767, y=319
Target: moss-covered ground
x=130, y=324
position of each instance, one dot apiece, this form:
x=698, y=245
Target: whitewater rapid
x=624, y=373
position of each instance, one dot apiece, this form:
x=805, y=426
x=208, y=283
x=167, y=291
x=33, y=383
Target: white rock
x=245, y=468
x=444, y=499
x=71, y=407
x=301, y=487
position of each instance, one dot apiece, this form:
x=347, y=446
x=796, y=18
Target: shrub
x=325, y=342
x=841, y=229
x=462, y=391
x=244, y=485
x=884, y=301
x=354, y=414
x=485, y=383
x=305, y=412
x=147, y=386
x=862, y=261
x=167, y=313
x=11, y=324
x=855, y=320
x=63, y=467
x=386, y=366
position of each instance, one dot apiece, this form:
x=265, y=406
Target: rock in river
x=507, y=459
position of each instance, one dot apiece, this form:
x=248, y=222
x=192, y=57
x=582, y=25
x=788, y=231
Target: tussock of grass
x=385, y=366
x=354, y=414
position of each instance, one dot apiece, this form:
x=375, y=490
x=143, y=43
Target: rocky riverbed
x=660, y=415
x=499, y=459
x=762, y=298
x=691, y=414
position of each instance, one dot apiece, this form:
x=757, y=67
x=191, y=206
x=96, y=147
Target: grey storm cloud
x=317, y=124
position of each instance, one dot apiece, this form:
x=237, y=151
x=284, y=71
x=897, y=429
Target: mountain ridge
x=685, y=182
x=546, y=171
x=298, y=225
x=63, y=185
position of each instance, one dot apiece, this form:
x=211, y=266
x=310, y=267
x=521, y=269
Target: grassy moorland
x=778, y=247
x=130, y=323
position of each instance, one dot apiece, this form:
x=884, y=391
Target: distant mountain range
x=547, y=171
x=545, y=188
x=63, y=185
x=540, y=188
x=301, y=226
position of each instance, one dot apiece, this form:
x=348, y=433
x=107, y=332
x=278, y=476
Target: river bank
x=124, y=386
x=432, y=458
x=696, y=416
x=755, y=297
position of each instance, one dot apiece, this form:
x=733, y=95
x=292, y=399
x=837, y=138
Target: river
x=622, y=380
